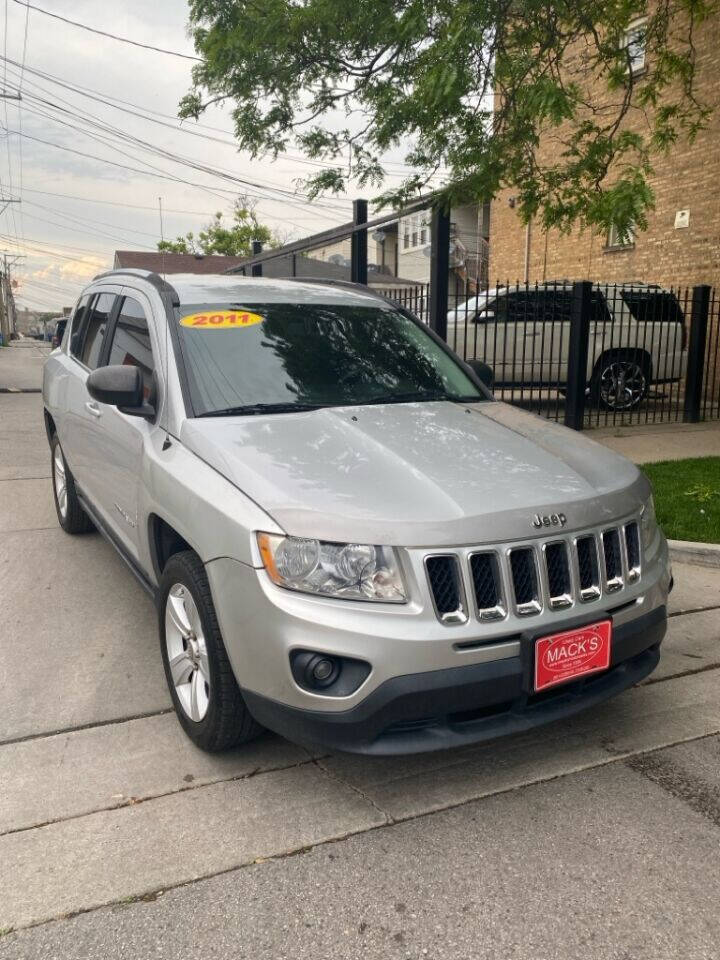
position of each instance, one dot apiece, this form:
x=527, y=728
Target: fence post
x=256, y=268
x=578, y=355
x=696, y=353
x=439, y=270
x=358, y=244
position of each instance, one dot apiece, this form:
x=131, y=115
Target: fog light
x=322, y=670
x=332, y=675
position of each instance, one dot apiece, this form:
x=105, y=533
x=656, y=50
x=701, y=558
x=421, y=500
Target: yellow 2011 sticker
x=221, y=320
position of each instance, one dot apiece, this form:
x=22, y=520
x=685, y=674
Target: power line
x=94, y=122
x=223, y=173
x=105, y=98
x=83, y=220
x=57, y=246
x=247, y=185
x=115, y=203
x=84, y=230
x=110, y=36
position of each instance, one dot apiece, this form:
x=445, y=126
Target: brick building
x=681, y=245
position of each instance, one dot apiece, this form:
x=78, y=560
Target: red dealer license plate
x=575, y=653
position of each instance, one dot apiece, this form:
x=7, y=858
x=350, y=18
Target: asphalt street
x=594, y=838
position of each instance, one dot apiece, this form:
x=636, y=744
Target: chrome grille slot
x=487, y=585
x=557, y=569
x=632, y=550
x=613, y=560
x=525, y=581
x=588, y=568
x=443, y=571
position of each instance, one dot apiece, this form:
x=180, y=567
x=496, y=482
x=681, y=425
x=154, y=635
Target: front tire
x=205, y=694
x=71, y=516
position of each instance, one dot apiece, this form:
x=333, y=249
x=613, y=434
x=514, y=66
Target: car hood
x=417, y=474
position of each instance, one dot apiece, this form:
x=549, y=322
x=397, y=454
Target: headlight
x=351, y=571
x=648, y=522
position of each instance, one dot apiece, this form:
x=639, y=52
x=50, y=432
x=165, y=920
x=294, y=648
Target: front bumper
x=454, y=707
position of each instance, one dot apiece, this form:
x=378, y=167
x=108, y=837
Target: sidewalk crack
x=388, y=819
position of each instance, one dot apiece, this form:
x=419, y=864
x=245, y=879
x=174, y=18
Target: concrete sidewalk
x=648, y=443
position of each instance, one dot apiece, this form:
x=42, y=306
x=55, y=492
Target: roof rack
x=160, y=284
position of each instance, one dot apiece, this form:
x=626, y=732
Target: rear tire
x=204, y=691
x=620, y=380
x=71, y=516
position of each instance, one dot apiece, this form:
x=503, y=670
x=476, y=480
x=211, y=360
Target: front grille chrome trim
x=532, y=606
x=449, y=617
x=593, y=591
x=613, y=581
x=563, y=599
x=631, y=543
x=498, y=610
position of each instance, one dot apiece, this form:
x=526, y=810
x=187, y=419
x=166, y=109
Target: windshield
x=276, y=357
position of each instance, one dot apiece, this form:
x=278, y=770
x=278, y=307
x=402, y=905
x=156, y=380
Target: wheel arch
x=164, y=541
x=638, y=353
x=50, y=428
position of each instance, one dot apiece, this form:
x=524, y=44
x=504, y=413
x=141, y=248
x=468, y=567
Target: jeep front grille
x=523, y=580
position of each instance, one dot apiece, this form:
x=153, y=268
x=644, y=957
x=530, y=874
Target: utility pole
x=4, y=312
x=8, y=318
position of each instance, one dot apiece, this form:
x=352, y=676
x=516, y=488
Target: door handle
x=536, y=333
x=93, y=408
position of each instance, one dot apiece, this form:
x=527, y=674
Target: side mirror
x=121, y=386
x=483, y=372
x=484, y=316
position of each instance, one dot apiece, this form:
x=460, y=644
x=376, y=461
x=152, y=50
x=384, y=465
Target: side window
x=554, y=305
x=131, y=342
x=95, y=329
x=599, y=312
x=77, y=326
x=519, y=307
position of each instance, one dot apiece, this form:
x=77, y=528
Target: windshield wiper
x=415, y=397
x=251, y=409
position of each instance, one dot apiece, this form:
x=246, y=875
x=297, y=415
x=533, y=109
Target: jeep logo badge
x=549, y=520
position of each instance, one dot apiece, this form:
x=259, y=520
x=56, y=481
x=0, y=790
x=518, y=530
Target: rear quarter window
x=655, y=306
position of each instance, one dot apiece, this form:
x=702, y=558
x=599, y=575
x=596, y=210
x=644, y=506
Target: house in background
x=159, y=262
x=399, y=252
x=681, y=246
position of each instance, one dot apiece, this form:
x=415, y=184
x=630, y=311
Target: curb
x=703, y=554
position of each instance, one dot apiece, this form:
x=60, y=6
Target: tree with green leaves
x=232, y=240
x=478, y=89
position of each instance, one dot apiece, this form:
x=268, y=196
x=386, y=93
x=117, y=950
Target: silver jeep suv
x=348, y=540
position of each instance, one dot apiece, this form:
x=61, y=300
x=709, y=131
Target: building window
x=616, y=239
x=416, y=231
x=634, y=45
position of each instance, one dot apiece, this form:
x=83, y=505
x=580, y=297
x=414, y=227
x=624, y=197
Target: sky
x=76, y=210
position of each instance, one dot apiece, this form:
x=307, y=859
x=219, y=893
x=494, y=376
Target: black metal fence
x=581, y=353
